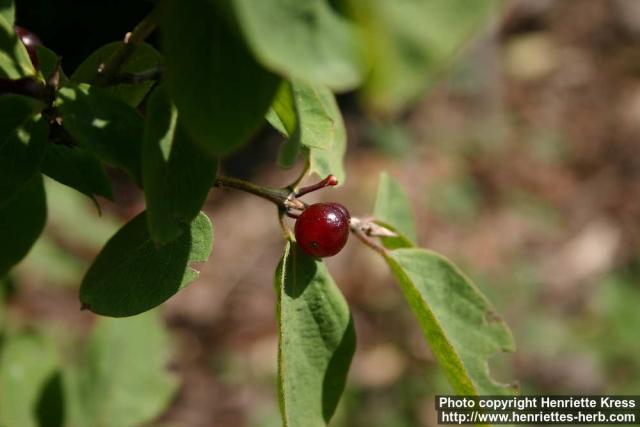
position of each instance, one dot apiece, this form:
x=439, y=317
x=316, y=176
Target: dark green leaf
x=317, y=340
x=27, y=363
x=76, y=168
x=307, y=40
x=462, y=327
x=49, y=61
x=131, y=274
x=122, y=378
x=144, y=58
x=21, y=156
x=177, y=173
x=104, y=125
x=51, y=403
x=393, y=208
x=410, y=42
x=221, y=92
x=8, y=11
x=15, y=110
x=21, y=222
x=14, y=59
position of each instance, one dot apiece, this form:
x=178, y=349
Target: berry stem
x=329, y=181
x=279, y=196
x=108, y=70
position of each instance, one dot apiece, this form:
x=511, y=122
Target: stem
x=367, y=241
x=108, y=70
x=275, y=195
x=294, y=185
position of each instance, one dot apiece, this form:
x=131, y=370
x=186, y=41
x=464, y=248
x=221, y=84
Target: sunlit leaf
x=132, y=275
x=15, y=111
x=8, y=11
x=317, y=340
x=461, y=326
x=14, y=59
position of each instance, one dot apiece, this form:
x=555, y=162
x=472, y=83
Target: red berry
x=30, y=41
x=322, y=229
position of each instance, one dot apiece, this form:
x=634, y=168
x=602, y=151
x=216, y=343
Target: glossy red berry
x=322, y=229
x=30, y=41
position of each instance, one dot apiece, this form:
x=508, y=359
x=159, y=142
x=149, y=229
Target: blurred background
x=522, y=161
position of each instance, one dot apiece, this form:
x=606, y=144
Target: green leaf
x=27, y=364
x=21, y=156
x=306, y=40
x=76, y=168
x=14, y=59
x=104, y=125
x=8, y=11
x=222, y=93
x=15, y=110
x=144, y=58
x=132, y=275
x=177, y=173
x=122, y=379
x=21, y=222
x=317, y=340
x=49, y=61
x=462, y=328
x=309, y=116
x=50, y=409
x=410, y=42
x=394, y=208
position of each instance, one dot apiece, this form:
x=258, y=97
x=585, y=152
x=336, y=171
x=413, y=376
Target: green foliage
x=78, y=169
x=14, y=59
x=223, y=67
x=144, y=58
x=408, y=43
x=106, y=126
x=312, y=42
x=8, y=11
x=177, y=173
x=462, y=327
x=132, y=275
x=20, y=157
x=120, y=379
x=317, y=340
x=310, y=118
x=27, y=364
x=464, y=331
x=21, y=222
x=221, y=91
x=15, y=111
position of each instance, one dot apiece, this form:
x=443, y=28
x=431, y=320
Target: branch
x=107, y=71
x=279, y=196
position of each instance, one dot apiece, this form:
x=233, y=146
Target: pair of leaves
x=132, y=275
x=464, y=331
x=316, y=340
x=309, y=116
x=38, y=388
